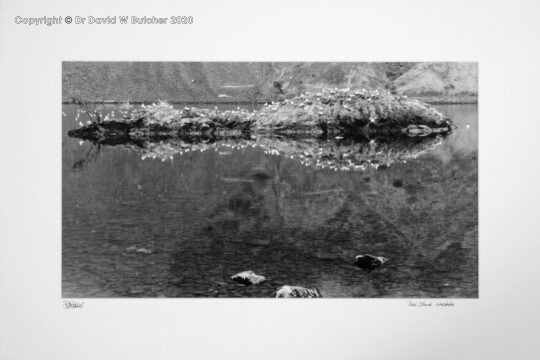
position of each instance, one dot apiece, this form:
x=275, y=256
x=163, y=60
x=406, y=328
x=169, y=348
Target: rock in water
x=144, y=251
x=369, y=261
x=248, y=278
x=287, y=291
x=338, y=113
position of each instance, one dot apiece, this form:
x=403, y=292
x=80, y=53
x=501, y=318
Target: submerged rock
x=369, y=261
x=248, y=278
x=139, y=250
x=287, y=291
x=144, y=251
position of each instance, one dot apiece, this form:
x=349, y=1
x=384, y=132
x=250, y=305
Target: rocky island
x=339, y=113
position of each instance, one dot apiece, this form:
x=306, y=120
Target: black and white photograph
x=281, y=180
x=238, y=179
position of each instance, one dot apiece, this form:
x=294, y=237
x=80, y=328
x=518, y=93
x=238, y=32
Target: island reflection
x=206, y=209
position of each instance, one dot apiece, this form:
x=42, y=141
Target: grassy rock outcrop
x=335, y=112
x=350, y=112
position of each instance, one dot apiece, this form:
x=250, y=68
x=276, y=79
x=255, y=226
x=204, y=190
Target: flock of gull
x=330, y=154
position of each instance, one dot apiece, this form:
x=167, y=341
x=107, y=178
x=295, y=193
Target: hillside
x=260, y=82
x=453, y=82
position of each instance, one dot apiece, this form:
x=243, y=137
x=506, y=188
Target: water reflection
x=334, y=154
x=206, y=215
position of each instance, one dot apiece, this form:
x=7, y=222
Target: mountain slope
x=457, y=81
x=257, y=81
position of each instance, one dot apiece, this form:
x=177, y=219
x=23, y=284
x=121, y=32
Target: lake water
x=181, y=227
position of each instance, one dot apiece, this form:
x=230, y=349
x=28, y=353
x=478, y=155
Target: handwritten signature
x=71, y=304
x=428, y=303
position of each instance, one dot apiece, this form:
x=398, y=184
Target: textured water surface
x=181, y=227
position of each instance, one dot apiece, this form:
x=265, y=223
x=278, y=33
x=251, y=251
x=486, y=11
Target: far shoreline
x=431, y=101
